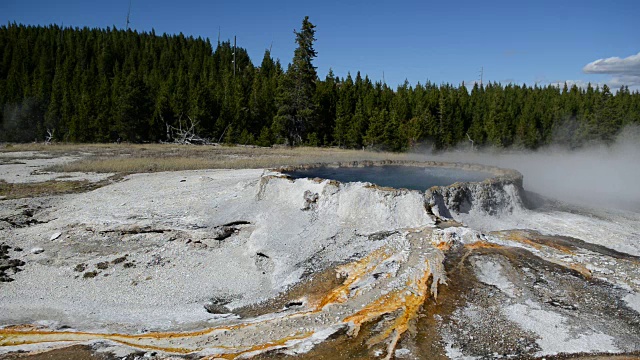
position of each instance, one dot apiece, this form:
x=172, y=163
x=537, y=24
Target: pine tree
x=296, y=110
x=326, y=100
x=393, y=136
x=132, y=109
x=344, y=111
x=607, y=115
x=374, y=137
x=356, y=127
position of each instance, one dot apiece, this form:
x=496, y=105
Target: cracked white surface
x=554, y=335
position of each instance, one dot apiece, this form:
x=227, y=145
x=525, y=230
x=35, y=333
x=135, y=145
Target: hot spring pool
x=395, y=176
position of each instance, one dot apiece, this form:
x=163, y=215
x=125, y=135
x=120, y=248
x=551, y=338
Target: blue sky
x=441, y=41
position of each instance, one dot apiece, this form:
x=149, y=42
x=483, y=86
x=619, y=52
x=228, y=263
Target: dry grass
x=55, y=148
x=47, y=188
x=133, y=158
x=123, y=159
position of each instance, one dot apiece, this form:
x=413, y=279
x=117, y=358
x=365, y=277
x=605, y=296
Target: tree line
x=104, y=85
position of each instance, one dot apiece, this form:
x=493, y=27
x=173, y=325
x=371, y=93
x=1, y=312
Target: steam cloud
x=598, y=176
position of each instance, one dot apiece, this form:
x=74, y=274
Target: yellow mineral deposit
x=354, y=272
x=421, y=272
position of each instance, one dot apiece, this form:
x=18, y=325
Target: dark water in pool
x=408, y=177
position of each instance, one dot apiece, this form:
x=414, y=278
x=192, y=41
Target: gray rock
x=217, y=305
x=501, y=194
x=37, y=250
x=310, y=200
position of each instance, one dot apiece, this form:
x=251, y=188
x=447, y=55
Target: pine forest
x=106, y=85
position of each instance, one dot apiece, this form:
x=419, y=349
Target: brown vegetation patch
x=47, y=188
x=75, y=352
x=134, y=158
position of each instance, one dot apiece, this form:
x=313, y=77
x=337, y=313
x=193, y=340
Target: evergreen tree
x=344, y=111
x=132, y=108
x=374, y=137
x=607, y=116
x=296, y=110
x=326, y=100
x=356, y=127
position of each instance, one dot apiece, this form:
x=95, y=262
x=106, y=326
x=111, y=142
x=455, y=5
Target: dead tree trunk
x=49, y=138
x=469, y=137
x=186, y=134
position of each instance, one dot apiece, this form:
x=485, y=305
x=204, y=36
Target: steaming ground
x=597, y=176
x=246, y=263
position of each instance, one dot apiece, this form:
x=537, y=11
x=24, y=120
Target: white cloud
x=628, y=80
x=615, y=66
x=579, y=83
x=614, y=84
x=623, y=71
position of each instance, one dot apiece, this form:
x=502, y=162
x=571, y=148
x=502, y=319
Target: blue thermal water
x=395, y=176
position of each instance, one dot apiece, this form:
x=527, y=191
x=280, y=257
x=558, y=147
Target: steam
x=597, y=176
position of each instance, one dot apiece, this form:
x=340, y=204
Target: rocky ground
x=247, y=263
x=30, y=167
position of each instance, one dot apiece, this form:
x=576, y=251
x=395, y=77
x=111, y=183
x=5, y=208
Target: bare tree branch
x=185, y=133
x=50, y=134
